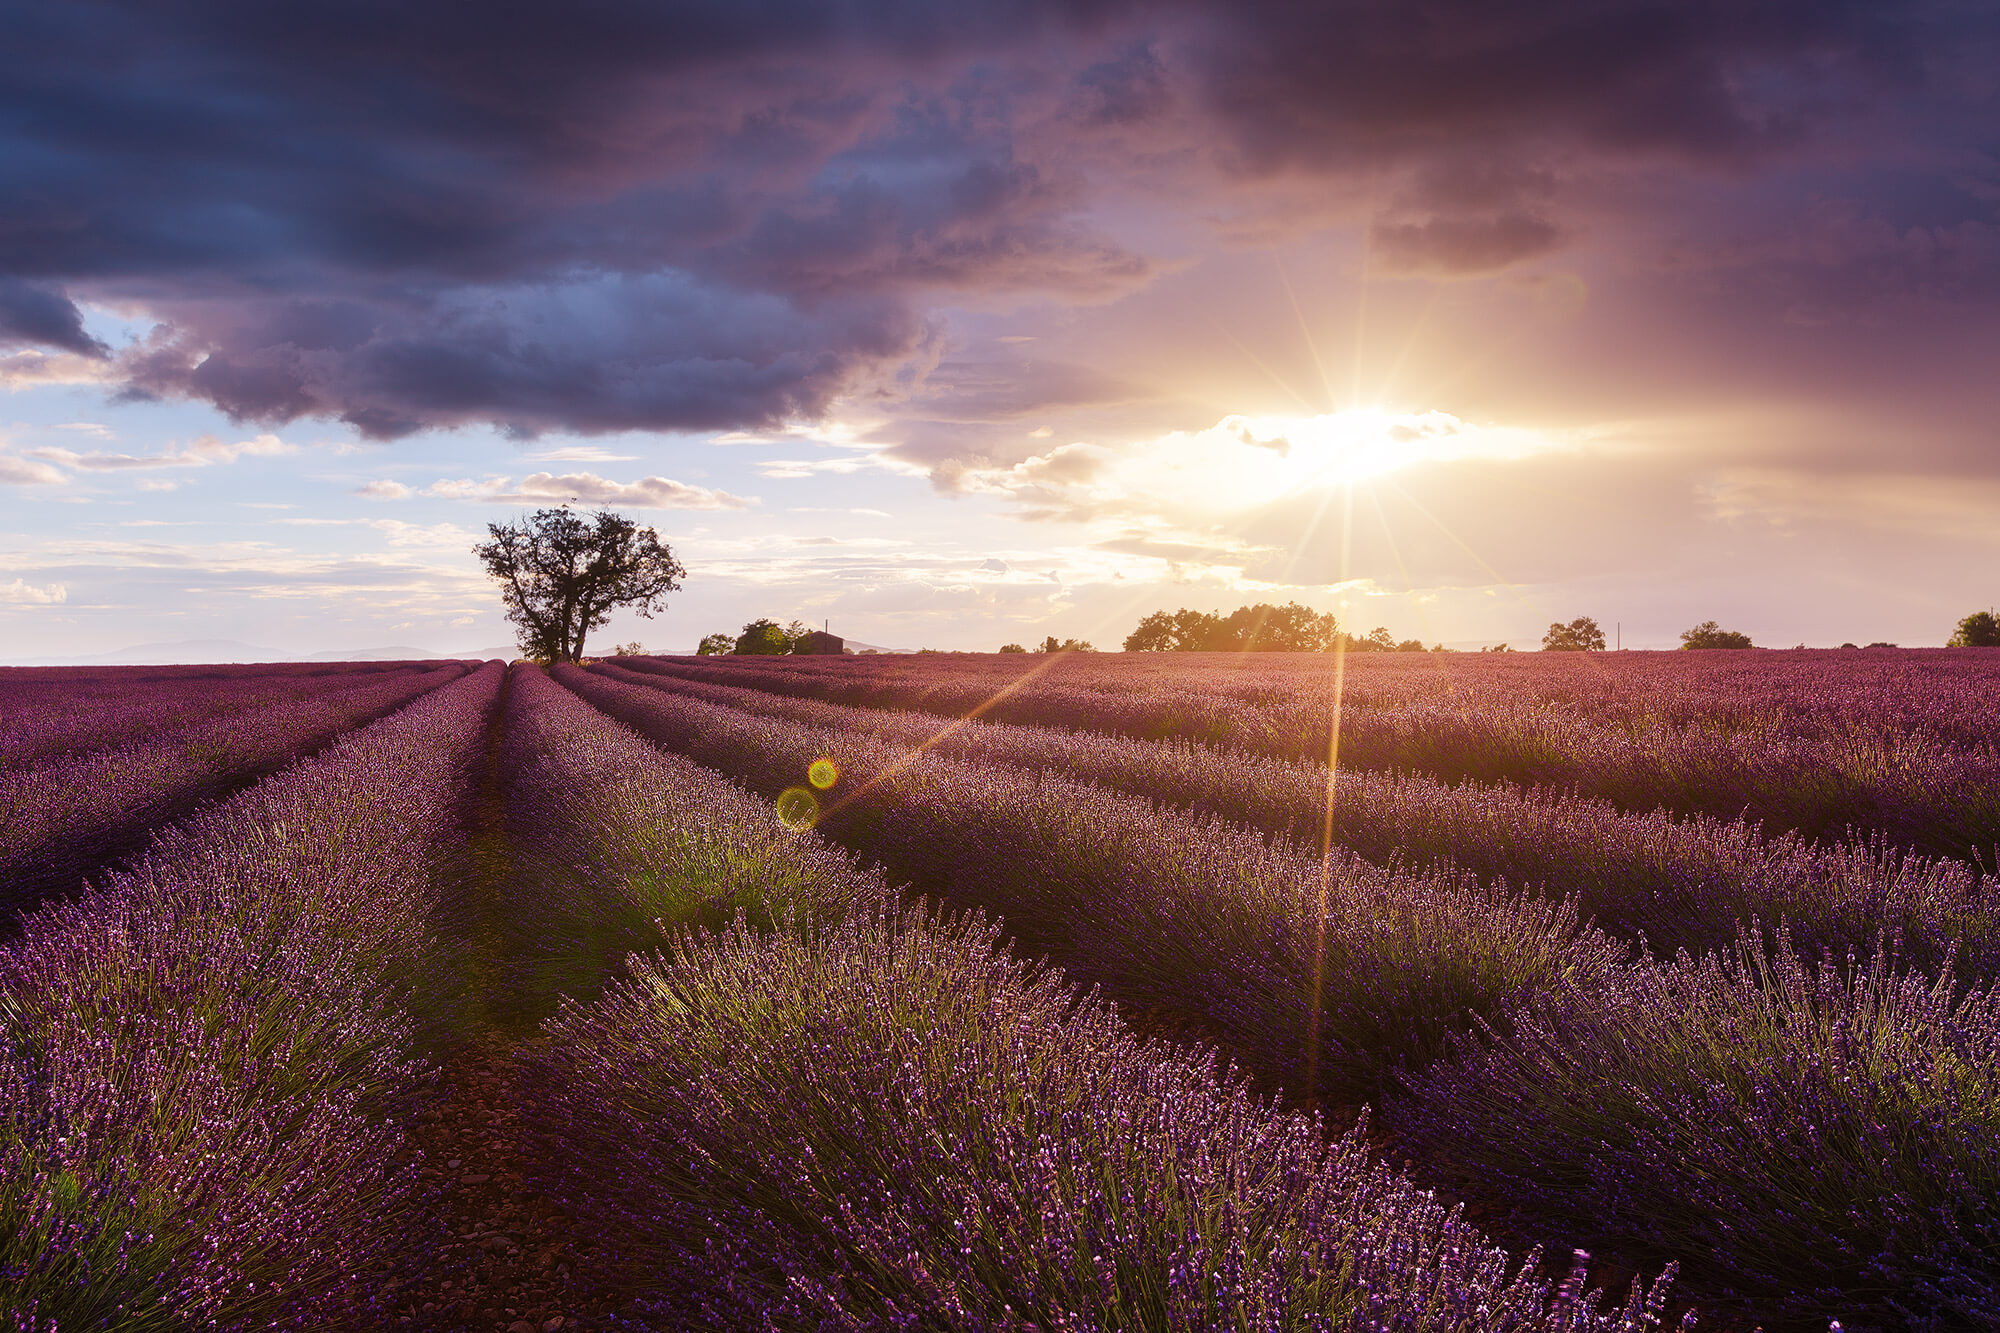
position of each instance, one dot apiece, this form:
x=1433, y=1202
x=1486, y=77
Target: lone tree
x=561, y=575
x=1579, y=636
x=1708, y=634
x=1981, y=629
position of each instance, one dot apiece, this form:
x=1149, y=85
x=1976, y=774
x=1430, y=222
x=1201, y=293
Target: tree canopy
x=763, y=638
x=1708, y=634
x=561, y=576
x=1291, y=628
x=1579, y=636
x=1263, y=628
x=1981, y=629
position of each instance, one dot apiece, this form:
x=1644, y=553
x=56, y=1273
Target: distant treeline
x=1290, y=628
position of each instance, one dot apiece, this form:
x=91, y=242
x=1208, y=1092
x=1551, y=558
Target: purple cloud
x=712, y=215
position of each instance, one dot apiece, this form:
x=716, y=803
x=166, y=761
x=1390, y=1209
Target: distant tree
x=1849, y=645
x=1291, y=628
x=1012, y=648
x=795, y=634
x=1263, y=628
x=1879, y=644
x=1708, y=634
x=561, y=576
x=1052, y=645
x=632, y=649
x=1497, y=648
x=1579, y=636
x=1154, y=635
x=716, y=645
x=1981, y=629
x=1410, y=646
x=763, y=638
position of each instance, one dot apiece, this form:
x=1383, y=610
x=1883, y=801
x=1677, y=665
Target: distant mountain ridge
x=197, y=652
x=191, y=652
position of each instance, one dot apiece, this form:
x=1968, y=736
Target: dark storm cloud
x=632, y=215
x=1307, y=82
x=620, y=353
x=34, y=314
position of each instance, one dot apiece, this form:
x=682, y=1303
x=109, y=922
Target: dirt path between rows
x=514, y=1262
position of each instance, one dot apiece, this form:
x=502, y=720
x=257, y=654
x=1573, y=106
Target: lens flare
x=798, y=808
x=824, y=773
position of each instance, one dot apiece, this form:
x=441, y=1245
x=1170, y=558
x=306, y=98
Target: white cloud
x=206, y=451
x=384, y=490
x=579, y=453
x=26, y=369
x=23, y=472
x=589, y=488
x=22, y=593
x=793, y=469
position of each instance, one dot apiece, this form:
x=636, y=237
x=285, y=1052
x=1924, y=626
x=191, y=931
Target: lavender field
x=1560, y=992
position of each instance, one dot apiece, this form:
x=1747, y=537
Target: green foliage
x=561, y=576
x=1012, y=648
x=763, y=638
x=1981, y=629
x=1291, y=628
x=1054, y=645
x=1708, y=634
x=716, y=645
x=1579, y=636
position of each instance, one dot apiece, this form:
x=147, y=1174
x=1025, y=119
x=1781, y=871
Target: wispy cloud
x=205, y=451
x=25, y=472
x=578, y=453
x=581, y=488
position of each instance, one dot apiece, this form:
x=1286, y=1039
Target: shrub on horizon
x=1708, y=634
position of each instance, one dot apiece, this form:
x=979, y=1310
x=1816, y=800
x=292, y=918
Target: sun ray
x=1259, y=362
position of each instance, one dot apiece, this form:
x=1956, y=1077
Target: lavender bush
x=206, y=1059
x=613, y=839
x=886, y=1123
x=1823, y=1139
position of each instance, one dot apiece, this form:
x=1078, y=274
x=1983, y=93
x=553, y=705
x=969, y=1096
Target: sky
x=948, y=325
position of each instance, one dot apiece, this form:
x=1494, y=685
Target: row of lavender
x=206, y=1062
x=1814, y=1137
x=188, y=741
x=1939, y=694
x=1676, y=883
x=54, y=715
x=1923, y=791
x=835, y=1112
